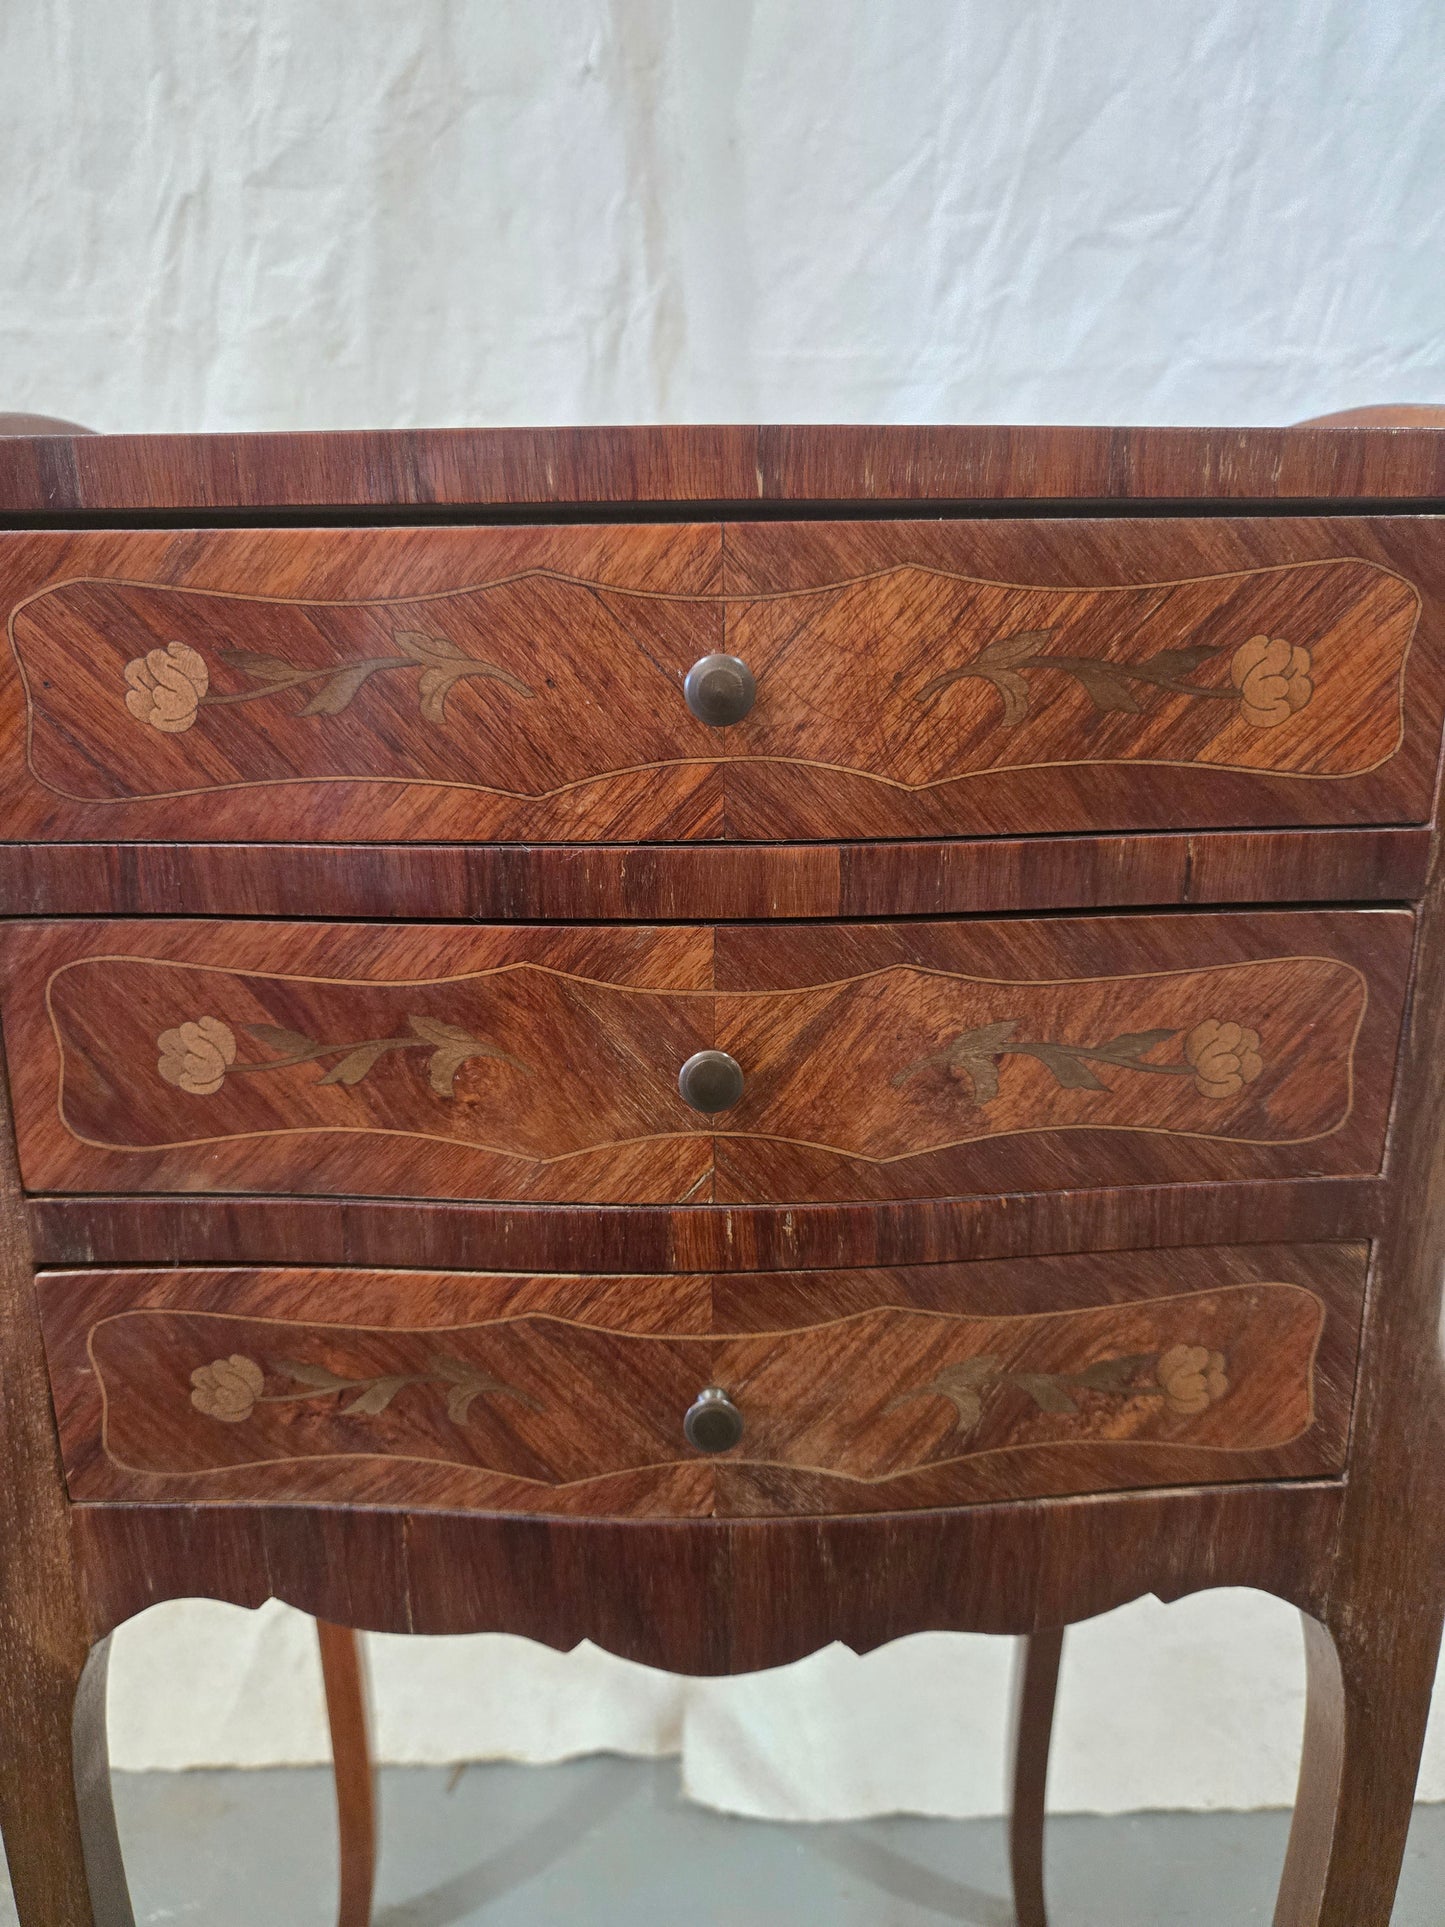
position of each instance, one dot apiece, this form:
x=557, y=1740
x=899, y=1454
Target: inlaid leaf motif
x=1112, y=1374
x=1134, y=1045
x=996, y=664
x=1047, y=1392
x=1070, y=1071
x=454, y=1046
x=973, y=1052
x=292, y=1043
x=376, y=1397
x=1184, y=1379
x=426, y=648
x=262, y=668
x=317, y=1375
x=962, y=1385
x=1106, y=687
x=229, y=1389
x=1220, y=1057
x=337, y=692
x=357, y=1063
x=1009, y=651
x=469, y=1383
x=1170, y=666
x=1270, y=678
x=199, y=1056
x=168, y=689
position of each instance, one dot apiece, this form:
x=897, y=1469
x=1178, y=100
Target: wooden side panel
x=915, y=679
x=860, y=1391
x=880, y=1061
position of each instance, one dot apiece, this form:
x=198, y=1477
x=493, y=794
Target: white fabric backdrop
x=335, y=213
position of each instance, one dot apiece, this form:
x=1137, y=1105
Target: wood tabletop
x=516, y=470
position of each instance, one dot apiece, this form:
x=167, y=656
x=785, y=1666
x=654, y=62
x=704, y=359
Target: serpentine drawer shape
x=1039, y=1205
x=527, y=684
x=535, y=1062
x=567, y=1394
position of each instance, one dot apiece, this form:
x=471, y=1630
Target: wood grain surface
x=880, y=1061
x=60, y=1839
x=508, y=470
x=525, y=684
x=861, y=1391
x=1374, y=1642
x=405, y=1232
x=987, y=683
x=711, y=881
x=715, y=1596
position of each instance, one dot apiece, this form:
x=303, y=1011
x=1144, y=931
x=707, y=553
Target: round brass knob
x=719, y=690
x=713, y=1423
x=710, y=1080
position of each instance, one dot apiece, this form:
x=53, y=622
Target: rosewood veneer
x=717, y=1040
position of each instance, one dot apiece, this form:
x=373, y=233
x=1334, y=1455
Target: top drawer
x=912, y=678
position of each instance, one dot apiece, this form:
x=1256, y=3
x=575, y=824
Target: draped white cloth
x=336, y=213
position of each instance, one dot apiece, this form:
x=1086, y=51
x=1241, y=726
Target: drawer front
x=856, y=1391
x=878, y=1061
x=913, y=679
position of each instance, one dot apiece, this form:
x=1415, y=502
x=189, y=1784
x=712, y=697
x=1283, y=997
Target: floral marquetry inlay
x=231, y=1388
x=169, y=687
x=549, y=1069
x=532, y=1408
x=545, y=701
x=1188, y=1378
x=197, y=1056
x=532, y=1061
x=1269, y=677
x=1220, y=1057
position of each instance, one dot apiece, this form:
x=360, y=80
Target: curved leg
x=343, y=1671
x=1036, y=1687
x=55, y=1808
x=55, y=1793
x=90, y=1755
x=1369, y=1696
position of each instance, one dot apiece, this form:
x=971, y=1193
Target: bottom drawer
x=855, y=1391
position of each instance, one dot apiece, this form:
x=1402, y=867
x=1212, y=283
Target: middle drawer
x=878, y=1061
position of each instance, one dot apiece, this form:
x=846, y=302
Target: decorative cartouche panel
x=536, y=1063
x=528, y=684
x=572, y=1395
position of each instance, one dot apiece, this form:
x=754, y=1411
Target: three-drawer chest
x=717, y=1040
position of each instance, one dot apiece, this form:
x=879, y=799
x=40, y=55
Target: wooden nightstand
x=717, y=1040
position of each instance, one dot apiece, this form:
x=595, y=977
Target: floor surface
x=610, y=1843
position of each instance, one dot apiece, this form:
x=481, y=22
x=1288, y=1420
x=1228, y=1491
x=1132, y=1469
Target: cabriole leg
x=1369, y=1696
x=343, y=1669
x=1035, y=1692
x=55, y=1795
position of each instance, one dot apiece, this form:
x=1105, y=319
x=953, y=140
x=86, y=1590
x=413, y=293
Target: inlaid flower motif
x=231, y=1388
x=227, y=1388
x=1191, y=1378
x=1185, y=1379
x=1225, y=1057
x=1273, y=680
x=166, y=687
x=169, y=685
x=195, y=1056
